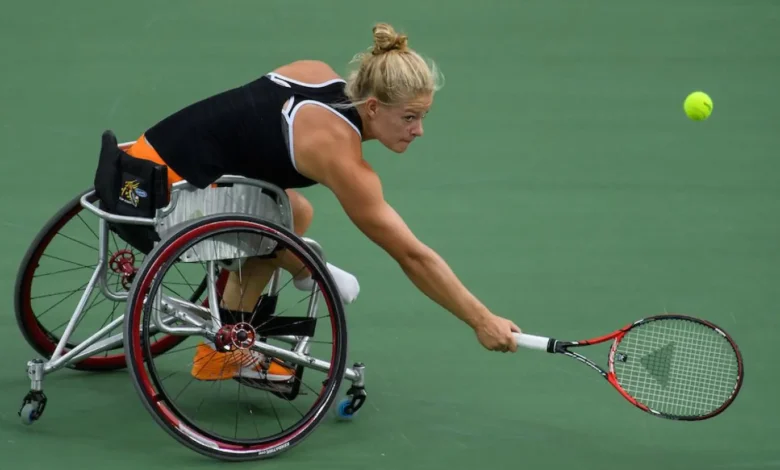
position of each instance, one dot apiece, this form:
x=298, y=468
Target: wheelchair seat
x=134, y=187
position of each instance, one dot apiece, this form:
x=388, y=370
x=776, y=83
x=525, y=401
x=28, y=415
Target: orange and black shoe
x=209, y=365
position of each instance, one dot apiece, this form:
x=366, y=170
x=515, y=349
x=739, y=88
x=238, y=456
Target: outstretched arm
x=359, y=191
x=330, y=152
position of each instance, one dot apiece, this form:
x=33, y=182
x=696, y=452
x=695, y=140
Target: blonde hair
x=390, y=71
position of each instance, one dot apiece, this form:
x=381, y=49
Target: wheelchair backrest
x=126, y=185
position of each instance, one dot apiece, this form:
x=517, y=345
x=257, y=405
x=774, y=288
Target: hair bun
x=386, y=39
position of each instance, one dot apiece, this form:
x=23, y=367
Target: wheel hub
x=123, y=263
x=234, y=337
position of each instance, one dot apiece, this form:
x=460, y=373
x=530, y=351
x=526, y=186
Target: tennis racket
x=671, y=366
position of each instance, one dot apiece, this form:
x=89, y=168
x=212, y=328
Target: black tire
x=141, y=365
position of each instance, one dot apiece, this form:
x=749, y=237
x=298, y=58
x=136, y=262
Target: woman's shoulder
x=308, y=71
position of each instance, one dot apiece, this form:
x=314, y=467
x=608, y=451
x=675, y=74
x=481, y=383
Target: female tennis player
x=301, y=125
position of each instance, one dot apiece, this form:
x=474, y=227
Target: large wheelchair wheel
x=235, y=418
x=54, y=274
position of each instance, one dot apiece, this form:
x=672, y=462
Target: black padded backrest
x=126, y=185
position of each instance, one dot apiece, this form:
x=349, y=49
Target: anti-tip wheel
x=32, y=407
x=343, y=409
x=29, y=413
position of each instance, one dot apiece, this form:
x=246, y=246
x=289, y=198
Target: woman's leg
x=244, y=287
x=242, y=291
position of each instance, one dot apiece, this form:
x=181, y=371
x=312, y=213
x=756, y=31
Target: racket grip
x=532, y=342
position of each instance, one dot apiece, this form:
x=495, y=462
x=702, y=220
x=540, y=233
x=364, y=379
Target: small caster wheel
x=32, y=407
x=29, y=413
x=349, y=406
x=344, y=411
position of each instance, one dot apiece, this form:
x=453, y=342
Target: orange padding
x=141, y=149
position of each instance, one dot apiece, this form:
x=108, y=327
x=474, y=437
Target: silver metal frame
x=173, y=309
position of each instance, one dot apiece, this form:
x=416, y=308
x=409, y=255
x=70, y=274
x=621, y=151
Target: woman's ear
x=372, y=107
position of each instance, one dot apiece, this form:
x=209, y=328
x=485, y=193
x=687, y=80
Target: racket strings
x=677, y=367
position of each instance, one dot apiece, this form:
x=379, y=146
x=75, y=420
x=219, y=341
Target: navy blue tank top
x=245, y=131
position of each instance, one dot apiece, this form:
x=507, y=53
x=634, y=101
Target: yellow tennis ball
x=698, y=106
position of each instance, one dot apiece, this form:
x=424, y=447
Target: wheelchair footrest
x=266, y=324
x=282, y=326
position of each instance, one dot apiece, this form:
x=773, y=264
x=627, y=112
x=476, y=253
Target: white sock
x=346, y=283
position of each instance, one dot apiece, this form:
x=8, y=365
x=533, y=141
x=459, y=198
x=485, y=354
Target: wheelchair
x=161, y=298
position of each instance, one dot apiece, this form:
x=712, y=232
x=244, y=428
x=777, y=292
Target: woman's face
x=397, y=126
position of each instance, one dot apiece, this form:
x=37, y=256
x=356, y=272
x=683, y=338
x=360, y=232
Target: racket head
x=676, y=366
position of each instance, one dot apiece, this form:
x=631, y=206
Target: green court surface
x=558, y=176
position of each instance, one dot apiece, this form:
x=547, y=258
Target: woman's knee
x=303, y=212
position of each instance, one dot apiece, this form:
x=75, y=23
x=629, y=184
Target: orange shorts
x=143, y=150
